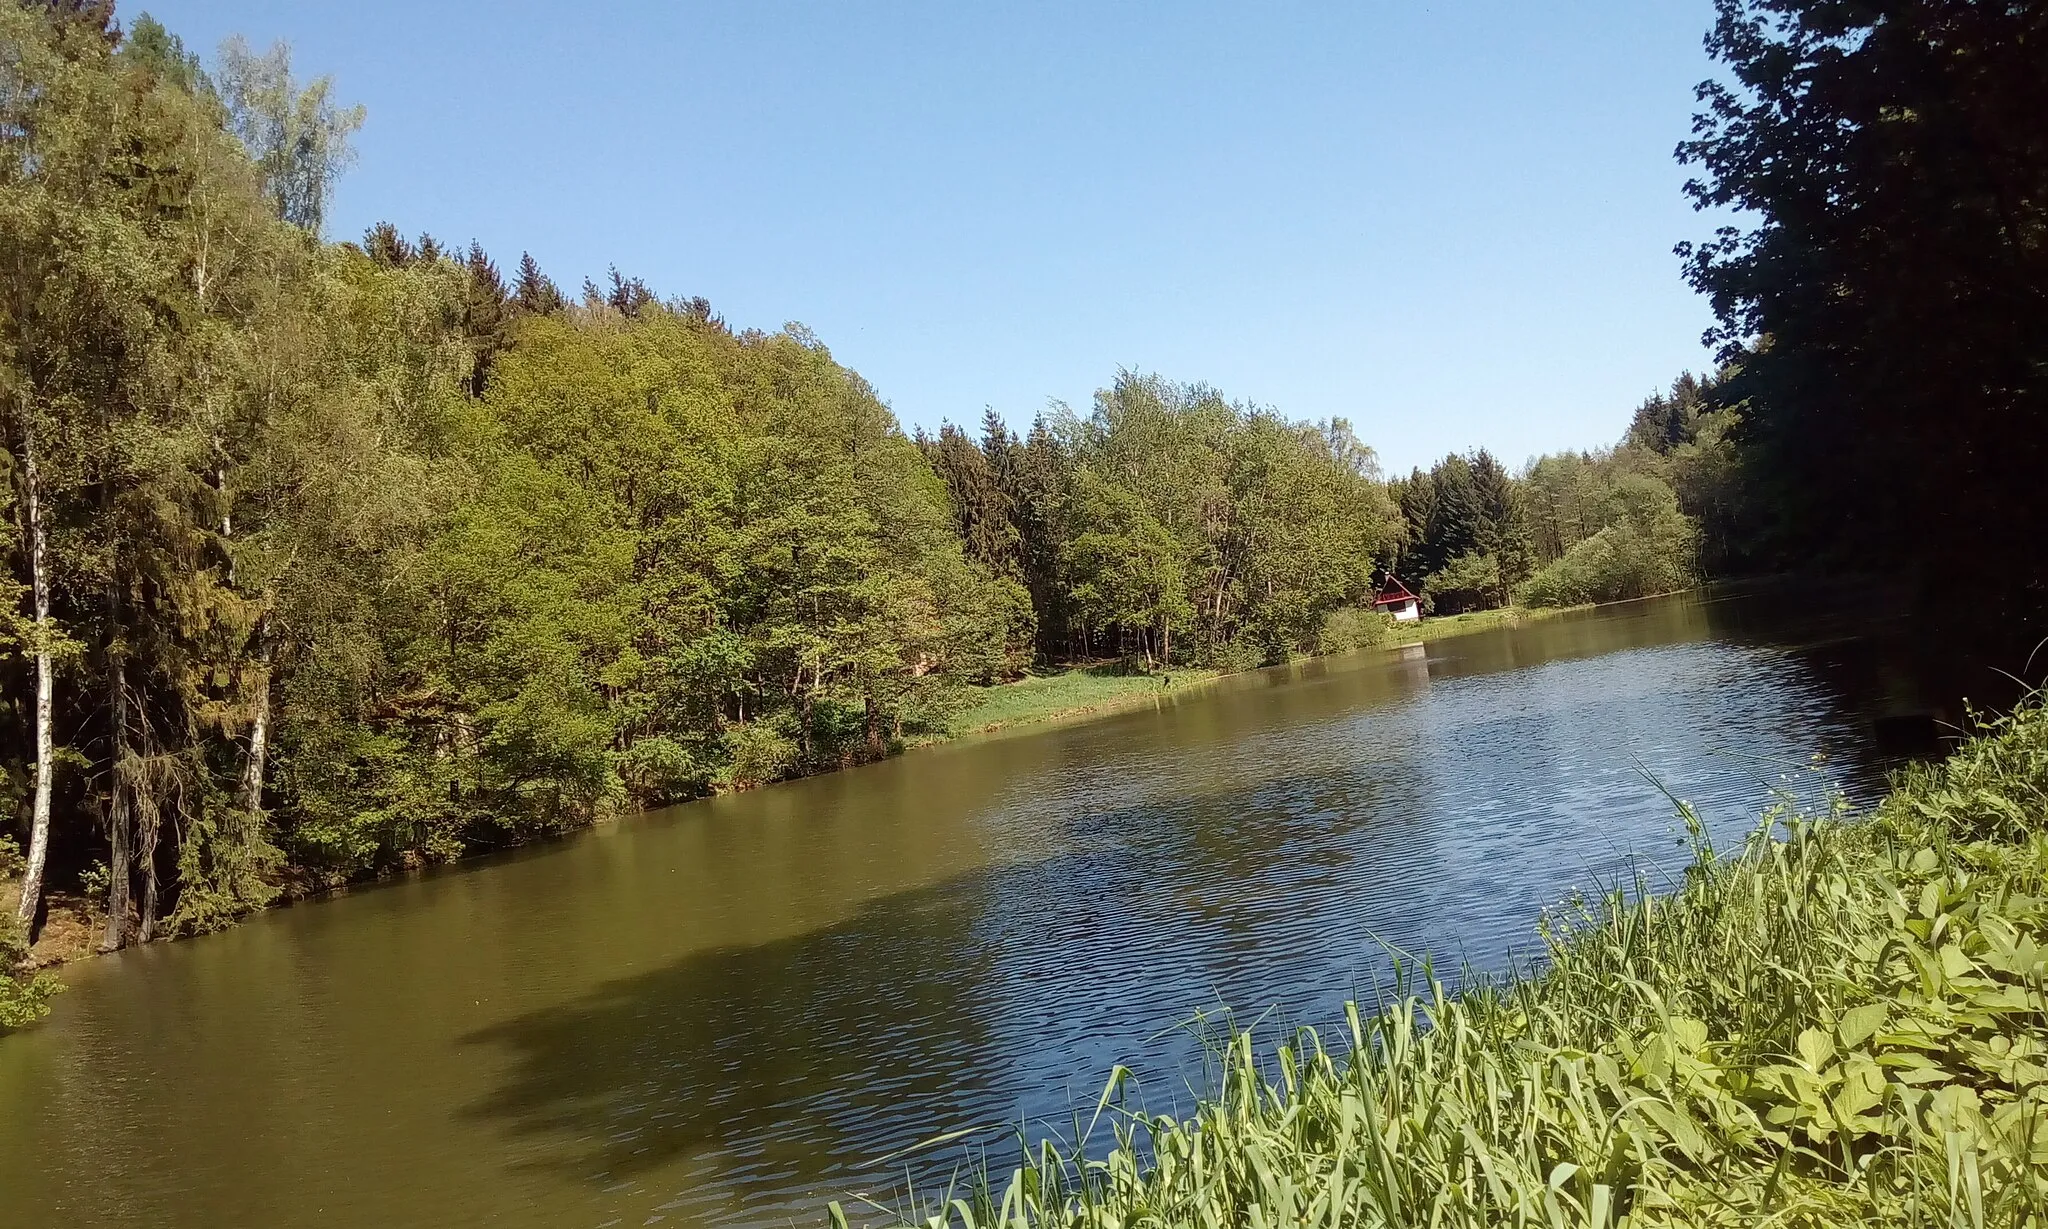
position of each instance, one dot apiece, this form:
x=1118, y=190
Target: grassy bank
x=1844, y=1024
x=1105, y=689
x=1069, y=693
x=1476, y=621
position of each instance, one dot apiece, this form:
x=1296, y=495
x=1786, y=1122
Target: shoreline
x=72, y=926
x=1145, y=688
x=1839, y=1023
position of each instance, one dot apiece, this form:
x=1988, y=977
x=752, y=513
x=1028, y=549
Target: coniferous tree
x=387, y=248
x=1040, y=476
x=533, y=292
x=1504, y=531
x=486, y=315
x=980, y=506
x=151, y=47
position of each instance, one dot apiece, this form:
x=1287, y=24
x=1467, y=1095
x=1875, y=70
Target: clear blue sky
x=1451, y=223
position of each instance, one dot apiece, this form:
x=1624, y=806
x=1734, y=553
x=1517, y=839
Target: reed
x=1844, y=1023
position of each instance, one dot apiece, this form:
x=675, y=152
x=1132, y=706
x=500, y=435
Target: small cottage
x=1395, y=600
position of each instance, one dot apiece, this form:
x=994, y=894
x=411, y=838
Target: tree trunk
x=119, y=821
x=39, y=586
x=149, y=819
x=874, y=726
x=259, y=726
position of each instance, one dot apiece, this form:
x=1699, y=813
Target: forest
x=327, y=560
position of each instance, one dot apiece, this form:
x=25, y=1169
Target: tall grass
x=1846, y=1023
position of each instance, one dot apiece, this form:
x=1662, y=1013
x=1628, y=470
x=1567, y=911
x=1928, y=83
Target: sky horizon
x=1452, y=226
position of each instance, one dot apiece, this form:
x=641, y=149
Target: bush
x=1240, y=653
x=1472, y=581
x=659, y=770
x=1348, y=629
x=760, y=754
x=24, y=992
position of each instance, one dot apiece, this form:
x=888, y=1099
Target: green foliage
x=1883, y=299
x=24, y=992
x=757, y=753
x=1468, y=540
x=1644, y=546
x=1471, y=581
x=1844, y=1024
x=1169, y=526
x=1348, y=629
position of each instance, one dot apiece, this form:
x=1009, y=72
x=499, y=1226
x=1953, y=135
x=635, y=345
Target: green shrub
x=1239, y=653
x=1348, y=629
x=1647, y=547
x=659, y=769
x=24, y=992
x=1472, y=581
x=760, y=754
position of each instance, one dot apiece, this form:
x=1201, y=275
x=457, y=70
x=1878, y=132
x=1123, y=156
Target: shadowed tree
x=533, y=292
x=1885, y=303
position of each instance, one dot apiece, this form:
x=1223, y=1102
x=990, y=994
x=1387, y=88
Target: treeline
x=329, y=559
x=1169, y=525
x=1649, y=515
x=326, y=560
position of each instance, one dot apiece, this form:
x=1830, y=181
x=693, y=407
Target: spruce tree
x=486, y=315
x=533, y=292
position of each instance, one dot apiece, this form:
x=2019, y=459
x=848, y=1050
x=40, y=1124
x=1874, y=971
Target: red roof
x=1393, y=594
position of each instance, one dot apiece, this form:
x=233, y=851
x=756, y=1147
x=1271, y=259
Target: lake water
x=728, y=1011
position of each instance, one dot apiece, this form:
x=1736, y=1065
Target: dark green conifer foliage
x=486, y=315
x=387, y=248
x=148, y=45
x=981, y=508
x=534, y=293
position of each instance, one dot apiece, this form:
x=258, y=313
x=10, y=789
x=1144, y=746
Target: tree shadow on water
x=770, y=1072
x=773, y=1061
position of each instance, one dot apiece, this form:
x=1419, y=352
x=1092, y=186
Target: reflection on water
x=716, y=1014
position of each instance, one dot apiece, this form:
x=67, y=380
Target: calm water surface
x=716, y=1013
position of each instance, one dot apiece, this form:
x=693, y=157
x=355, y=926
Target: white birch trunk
x=39, y=586
x=259, y=731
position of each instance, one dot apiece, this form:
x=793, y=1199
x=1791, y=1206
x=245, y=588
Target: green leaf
x=1858, y=1023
